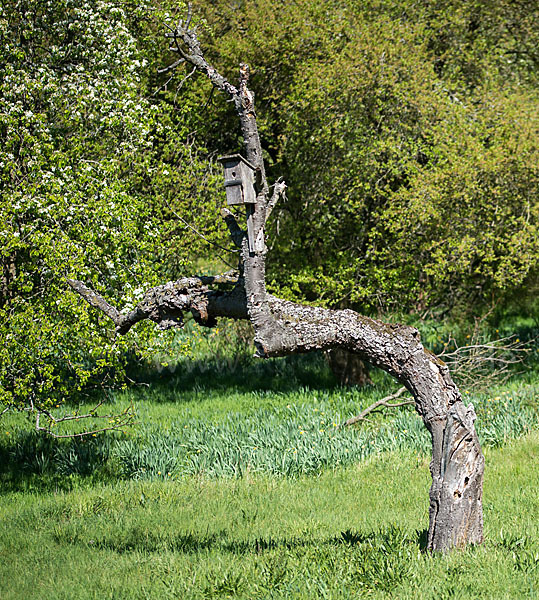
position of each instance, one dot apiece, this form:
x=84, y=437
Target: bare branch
x=172, y=66
x=180, y=85
x=166, y=304
x=236, y=232
x=163, y=86
x=96, y=300
x=194, y=55
x=180, y=218
x=118, y=425
x=279, y=188
x=189, y=15
x=116, y=421
x=479, y=365
x=384, y=402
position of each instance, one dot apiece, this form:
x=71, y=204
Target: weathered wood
x=250, y=214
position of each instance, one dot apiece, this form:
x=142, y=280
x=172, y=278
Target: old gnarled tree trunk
x=283, y=327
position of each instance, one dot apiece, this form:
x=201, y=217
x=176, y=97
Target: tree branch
x=96, y=300
x=236, y=232
x=166, y=304
x=479, y=364
x=376, y=405
x=279, y=188
x=117, y=422
x=188, y=37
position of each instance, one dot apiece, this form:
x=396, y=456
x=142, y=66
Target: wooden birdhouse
x=239, y=180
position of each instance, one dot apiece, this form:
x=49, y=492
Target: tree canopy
x=407, y=134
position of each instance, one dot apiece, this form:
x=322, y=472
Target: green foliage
x=407, y=133
x=92, y=173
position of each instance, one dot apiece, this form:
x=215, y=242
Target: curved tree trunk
x=283, y=327
x=456, y=515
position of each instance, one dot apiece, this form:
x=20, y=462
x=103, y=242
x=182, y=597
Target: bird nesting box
x=239, y=180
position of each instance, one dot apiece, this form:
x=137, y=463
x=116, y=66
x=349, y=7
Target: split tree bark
x=282, y=327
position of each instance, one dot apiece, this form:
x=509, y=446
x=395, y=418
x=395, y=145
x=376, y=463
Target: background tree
x=91, y=172
x=408, y=135
x=422, y=117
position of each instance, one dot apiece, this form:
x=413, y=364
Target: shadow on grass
x=376, y=560
x=245, y=375
x=422, y=539
x=386, y=541
x=31, y=461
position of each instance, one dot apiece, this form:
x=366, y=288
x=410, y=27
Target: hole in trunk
x=466, y=480
x=457, y=494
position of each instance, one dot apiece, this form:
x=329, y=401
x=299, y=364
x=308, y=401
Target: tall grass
x=223, y=432
x=239, y=482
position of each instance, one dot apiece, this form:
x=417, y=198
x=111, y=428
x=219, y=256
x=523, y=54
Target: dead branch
x=479, y=365
x=187, y=45
x=383, y=402
x=175, y=64
x=166, y=304
x=202, y=236
x=116, y=422
x=96, y=301
x=236, y=232
x=279, y=188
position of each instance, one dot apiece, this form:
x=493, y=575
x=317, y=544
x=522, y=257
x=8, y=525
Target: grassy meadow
x=237, y=481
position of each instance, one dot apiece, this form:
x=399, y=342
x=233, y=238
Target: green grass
x=351, y=532
x=242, y=485
x=265, y=423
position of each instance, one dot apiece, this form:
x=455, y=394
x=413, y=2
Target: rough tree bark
x=282, y=327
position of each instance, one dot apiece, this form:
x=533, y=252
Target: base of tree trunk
x=456, y=511
x=348, y=367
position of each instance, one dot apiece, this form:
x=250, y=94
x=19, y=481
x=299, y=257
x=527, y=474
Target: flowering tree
x=85, y=176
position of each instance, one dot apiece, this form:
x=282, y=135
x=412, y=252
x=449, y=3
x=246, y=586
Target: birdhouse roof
x=235, y=157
